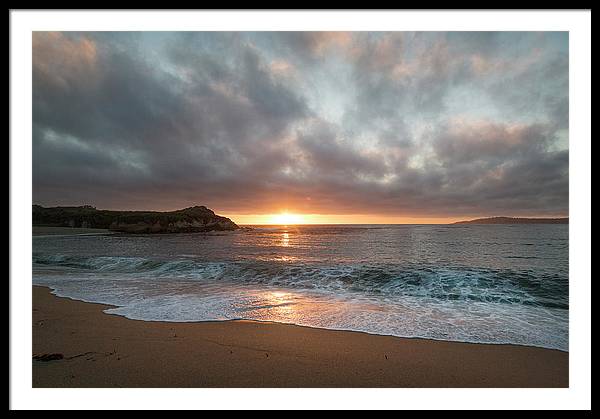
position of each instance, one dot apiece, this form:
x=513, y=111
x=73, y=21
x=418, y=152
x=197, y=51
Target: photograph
x=300, y=209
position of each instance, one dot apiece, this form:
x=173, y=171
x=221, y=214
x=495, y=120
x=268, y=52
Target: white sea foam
x=180, y=300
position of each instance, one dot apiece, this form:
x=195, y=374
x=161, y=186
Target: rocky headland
x=188, y=220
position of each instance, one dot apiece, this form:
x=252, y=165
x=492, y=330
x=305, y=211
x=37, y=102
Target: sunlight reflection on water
x=285, y=239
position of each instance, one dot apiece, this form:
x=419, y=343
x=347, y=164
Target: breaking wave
x=442, y=283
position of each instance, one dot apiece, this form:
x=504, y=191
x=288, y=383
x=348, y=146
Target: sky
x=316, y=127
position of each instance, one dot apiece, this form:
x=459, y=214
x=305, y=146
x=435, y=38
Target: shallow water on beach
x=472, y=283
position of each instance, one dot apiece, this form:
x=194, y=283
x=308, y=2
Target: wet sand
x=102, y=350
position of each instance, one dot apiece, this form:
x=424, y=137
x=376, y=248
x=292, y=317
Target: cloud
x=425, y=124
x=314, y=45
x=467, y=141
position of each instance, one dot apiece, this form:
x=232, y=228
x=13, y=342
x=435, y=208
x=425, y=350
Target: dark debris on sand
x=48, y=357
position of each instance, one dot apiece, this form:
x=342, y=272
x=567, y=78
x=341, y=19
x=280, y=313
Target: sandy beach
x=101, y=350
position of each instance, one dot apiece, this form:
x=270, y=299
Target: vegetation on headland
x=193, y=219
x=514, y=220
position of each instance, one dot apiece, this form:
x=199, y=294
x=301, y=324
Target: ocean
x=503, y=284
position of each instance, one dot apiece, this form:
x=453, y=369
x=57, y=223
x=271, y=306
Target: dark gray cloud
x=407, y=124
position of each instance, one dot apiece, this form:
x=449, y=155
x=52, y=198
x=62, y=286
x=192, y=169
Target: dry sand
x=102, y=350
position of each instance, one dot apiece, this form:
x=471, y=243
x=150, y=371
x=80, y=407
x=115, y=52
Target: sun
x=286, y=218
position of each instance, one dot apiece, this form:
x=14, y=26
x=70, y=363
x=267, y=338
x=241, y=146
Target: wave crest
x=447, y=283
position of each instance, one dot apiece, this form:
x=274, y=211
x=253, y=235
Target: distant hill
x=193, y=219
x=513, y=220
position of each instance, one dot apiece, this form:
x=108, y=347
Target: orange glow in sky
x=292, y=218
x=285, y=218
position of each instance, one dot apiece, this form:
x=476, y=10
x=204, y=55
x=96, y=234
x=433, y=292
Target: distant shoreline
x=67, y=231
x=44, y=230
x=515, y=220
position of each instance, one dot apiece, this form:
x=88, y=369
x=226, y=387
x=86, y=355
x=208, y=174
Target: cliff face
x=189, y=220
